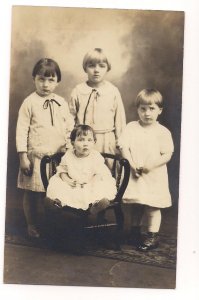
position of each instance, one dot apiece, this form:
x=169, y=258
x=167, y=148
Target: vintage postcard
x=120, y=72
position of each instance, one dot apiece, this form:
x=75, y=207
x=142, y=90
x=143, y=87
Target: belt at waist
x=104, y=130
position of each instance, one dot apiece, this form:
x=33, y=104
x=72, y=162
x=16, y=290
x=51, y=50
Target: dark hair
x=47, y=67
x=96, y=56
x=149, y=96
x=81, y=130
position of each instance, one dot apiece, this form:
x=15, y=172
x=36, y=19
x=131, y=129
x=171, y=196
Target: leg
x=30, y=212
x=151, y=241
x=137, y=211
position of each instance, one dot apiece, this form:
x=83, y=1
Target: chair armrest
x=124, y=181
x=124, y=165
x=45, y=160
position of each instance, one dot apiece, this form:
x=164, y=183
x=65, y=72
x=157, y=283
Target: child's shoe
x=33, y=232
x=150, y=242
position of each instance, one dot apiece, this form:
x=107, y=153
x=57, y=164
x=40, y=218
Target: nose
x=45, y=83
x=96, y=70
x=147, y=112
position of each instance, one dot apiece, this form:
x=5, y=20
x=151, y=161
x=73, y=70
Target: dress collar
x=51, y=96
x=84, y=88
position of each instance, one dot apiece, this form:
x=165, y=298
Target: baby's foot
x=99, y=206
x=33, y=232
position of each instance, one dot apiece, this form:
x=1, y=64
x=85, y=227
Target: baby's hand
x=69, y=180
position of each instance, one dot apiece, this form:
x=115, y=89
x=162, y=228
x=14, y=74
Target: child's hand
x=25, y=164
x=147, y=168
x=137, y=172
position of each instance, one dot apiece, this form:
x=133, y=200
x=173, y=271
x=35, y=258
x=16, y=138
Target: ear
x=160, y=110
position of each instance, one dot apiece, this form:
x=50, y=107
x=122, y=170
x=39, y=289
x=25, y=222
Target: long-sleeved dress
x=43, y=128
x=101, y=108
x=147, y=145
x=93, y=180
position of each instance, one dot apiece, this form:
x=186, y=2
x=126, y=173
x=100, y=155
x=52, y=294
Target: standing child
x=148, y=146
x=43, y=127
x=98, y=103
x=82, y=181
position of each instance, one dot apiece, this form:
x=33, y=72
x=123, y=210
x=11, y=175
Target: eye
x=91, y=65
x=102, y=65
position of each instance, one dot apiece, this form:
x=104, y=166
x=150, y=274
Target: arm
x=69, y=125
x=66, y=178
x=125, y=150
x=62, y=171
x=25, y=164
x=23, y=125
x=166, y=151
x=127, y=154
x=162, y=160
x=120, y=117
x=74, y=105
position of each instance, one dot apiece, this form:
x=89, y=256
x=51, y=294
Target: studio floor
x=29, y=265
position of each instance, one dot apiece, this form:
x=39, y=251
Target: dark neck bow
x=89, y=98
x=49, y=103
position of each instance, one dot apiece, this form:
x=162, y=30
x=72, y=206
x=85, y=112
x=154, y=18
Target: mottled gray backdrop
x=145, y=48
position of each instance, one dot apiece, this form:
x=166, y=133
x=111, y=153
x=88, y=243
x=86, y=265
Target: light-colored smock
x=101, y=108
x=147, y=145
x=93, y=180
x=43, y=128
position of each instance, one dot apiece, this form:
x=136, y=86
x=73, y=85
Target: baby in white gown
x=82, y=179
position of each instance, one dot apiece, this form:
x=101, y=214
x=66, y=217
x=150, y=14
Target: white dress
x=146, y=145
x=101, y=108
x=43, y=128
x=94, y=180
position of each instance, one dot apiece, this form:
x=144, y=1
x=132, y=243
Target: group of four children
x=93, y=121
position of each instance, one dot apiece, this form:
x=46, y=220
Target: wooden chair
x=120, y=171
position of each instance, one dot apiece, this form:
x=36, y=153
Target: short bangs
x=47, y=67
x=82, y=130
x=148, y=97
x=94, y=57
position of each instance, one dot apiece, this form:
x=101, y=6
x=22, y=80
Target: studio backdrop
x=145, y=49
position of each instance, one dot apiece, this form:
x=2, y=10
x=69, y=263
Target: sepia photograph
x=94, y=136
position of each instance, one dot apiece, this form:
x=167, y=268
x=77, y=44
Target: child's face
x=83, y=144
x=148, y=113
x=45, y=85
x=96, y=72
